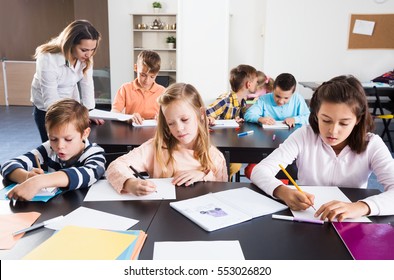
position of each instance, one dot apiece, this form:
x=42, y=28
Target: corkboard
x=382, y=36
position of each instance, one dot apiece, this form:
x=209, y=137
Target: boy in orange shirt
x=138, y=98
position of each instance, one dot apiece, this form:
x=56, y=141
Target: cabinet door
x=203, y=46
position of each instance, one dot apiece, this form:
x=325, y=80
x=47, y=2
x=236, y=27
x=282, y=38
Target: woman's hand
x=342, y=210
x=97, y=121
x=187, y=177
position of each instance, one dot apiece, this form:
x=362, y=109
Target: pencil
x=292, y=181
x=137, y=173
x=37, y=161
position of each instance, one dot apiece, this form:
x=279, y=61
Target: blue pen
x=245, y=133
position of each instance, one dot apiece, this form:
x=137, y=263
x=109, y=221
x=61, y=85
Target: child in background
x=283, y=104
x=337, y=149
x=138, y=98
x=265, y=84
x=243, y=81
x=72, y=161
x=180, y=149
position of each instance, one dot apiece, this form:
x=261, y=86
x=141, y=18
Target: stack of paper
x=222, y=209
x=106, y=115
x=80, y=243
x=225, y=124
x=146, y=123
x=276, y=125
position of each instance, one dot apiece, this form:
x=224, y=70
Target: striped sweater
x=82, y=172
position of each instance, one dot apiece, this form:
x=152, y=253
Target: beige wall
x=19, y=75
x=2, y=94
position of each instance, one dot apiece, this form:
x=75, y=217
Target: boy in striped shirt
x=71, y=160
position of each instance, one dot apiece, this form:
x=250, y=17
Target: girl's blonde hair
x=165, y=140
x=70, y=37
x=264, y=81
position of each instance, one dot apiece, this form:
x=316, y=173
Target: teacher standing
x=64, y=69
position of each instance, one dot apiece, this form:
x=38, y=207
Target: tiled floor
x=19, y=134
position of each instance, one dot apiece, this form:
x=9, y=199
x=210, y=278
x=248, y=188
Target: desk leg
x=386, y=123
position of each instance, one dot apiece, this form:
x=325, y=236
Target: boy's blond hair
x=67, y=111
x=151, y=60
x=239, y=75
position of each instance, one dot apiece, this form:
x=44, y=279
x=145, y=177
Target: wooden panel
x=2, y=93
x=383, y=33
x=19, y=75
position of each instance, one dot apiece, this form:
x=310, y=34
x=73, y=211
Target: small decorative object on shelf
x=156, y=7
x=157, y=24
x=171, y=40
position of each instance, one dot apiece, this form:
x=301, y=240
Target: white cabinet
x=150, y=32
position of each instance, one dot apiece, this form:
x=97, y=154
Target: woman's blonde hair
x=70, y=37
x=165, y=140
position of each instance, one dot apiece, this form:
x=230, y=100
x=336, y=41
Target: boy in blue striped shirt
x=72, y=161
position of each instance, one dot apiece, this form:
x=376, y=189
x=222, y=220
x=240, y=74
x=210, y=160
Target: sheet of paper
x=11, y=223
x=363, y=27
x=103, y=191
x=106, y=115
x=224, y=124
x=80, y=243
x=198, y=250
x=209, y=212
x=323, y=195
x=250, y=202
x=86, y=217
x=373, y=84
x=146, y=123
x=277, y=125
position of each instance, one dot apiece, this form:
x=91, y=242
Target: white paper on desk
x=146, y=123
x=324, y=194
x=251, y=202
x=214, y=211
x=198, y=250
x=106, y=115
x=86, y=217
x=224, y=124
x=103, y=191
x=276, y=125
x=363, y=27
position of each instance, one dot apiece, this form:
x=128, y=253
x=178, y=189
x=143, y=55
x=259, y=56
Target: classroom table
x=260, y=238
x=117, y=137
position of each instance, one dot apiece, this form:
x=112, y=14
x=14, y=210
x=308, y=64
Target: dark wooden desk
x=117, y=137
x=260, y=238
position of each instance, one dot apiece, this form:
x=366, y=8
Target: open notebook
x=214, y=211
x=276, y=125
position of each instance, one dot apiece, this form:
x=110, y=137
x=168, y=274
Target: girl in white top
x=61, y=64
x=337, y=149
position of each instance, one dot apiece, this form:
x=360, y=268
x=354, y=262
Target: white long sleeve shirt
x=318, y=165
x=55, y=80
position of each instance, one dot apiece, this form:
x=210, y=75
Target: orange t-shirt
x=133, y=99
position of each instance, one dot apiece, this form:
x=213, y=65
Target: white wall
x=120, y=33
x=309, y=39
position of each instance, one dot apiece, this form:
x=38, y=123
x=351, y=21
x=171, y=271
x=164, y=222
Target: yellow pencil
x=37, y=161
x=292, y=181
x=384, y=116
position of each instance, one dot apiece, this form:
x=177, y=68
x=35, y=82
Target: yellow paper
x=13, y=222
x=78, y=243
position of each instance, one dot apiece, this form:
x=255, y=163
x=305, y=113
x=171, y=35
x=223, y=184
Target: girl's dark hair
x=348, y=90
